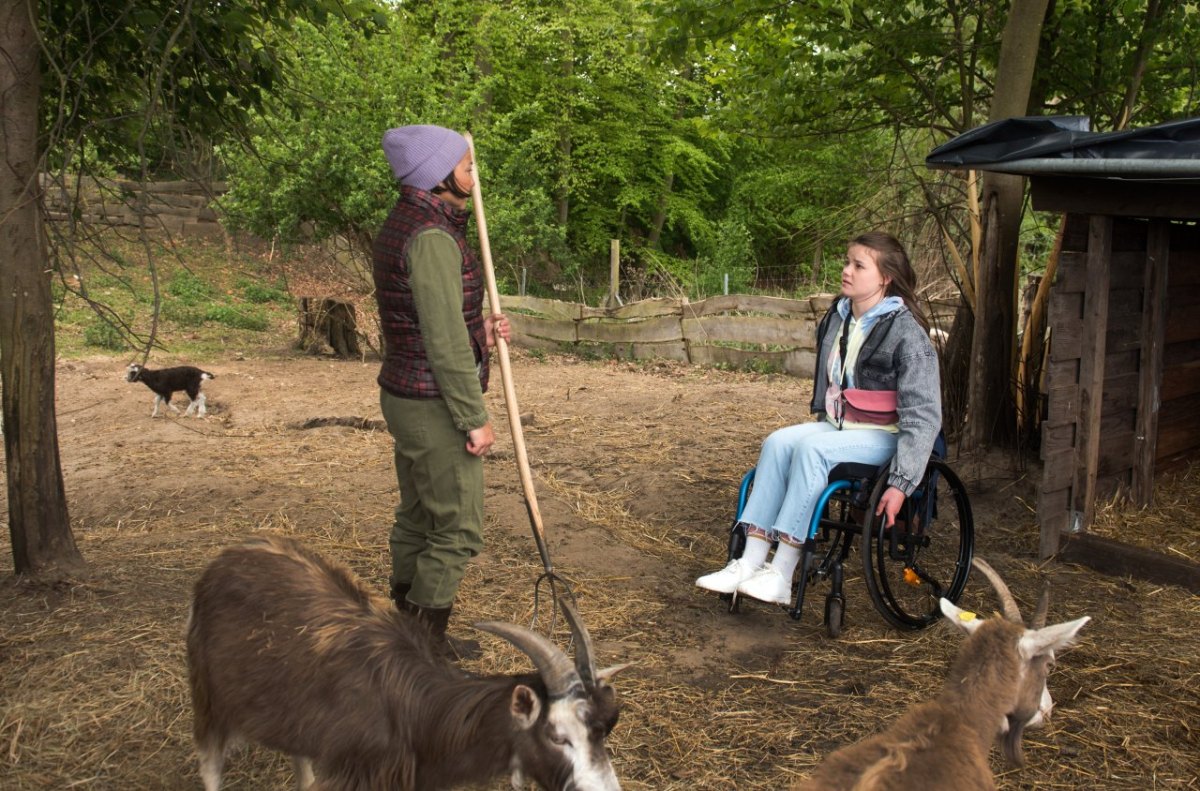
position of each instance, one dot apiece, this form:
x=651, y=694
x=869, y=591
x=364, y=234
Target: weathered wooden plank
x=1064, y=404
x=798, y=362
x=1091, y=365
x=1180, y=354
x=1121, y=362
x=1180, y=380
x=1116, y=453
x=1182, y=324
x=1115, y=198
x=1066, y=341
x=751, y=329
x=749, y=303
x=1062, y=373
x=1129, y=234
x=534, y=342
x=653, y=330
x=1058, y=469
x=1072, y=273
x=1065, y=307
x=1150, y=377
x=1054, y=515
x=1117, y=421
x=643, y=309
x=1175, y=438
x=821, y=303
x=547, y=308
x=1057, y=437
x=1120, y=392
x=538, y=327
x=1125, y=560
x=1178, y=425
x=671, y=350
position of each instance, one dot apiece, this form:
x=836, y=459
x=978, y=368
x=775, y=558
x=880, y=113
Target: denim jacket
x=897, y=355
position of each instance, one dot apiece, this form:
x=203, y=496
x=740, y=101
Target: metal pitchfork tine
x=548, y=577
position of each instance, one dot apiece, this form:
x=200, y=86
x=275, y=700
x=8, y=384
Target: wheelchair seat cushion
x=848, y=470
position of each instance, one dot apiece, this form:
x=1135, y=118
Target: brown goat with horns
x=995, y=688
x=290, y=650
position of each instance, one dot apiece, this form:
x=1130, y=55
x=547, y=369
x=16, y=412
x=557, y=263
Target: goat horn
x=555, y=668
x=584, y=665
x=1009, y=605
x=1043, y=608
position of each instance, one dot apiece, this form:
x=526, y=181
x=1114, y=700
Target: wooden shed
x=1122, y=380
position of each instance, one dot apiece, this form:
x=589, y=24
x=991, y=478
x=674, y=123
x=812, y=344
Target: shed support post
x=1150, y=367
x=1091, y=371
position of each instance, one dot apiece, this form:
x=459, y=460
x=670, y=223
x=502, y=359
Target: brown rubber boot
x=453, y=648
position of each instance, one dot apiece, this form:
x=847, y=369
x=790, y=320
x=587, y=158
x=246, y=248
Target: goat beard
x=1012, y=741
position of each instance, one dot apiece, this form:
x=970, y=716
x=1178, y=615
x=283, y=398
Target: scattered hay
x=640, y=467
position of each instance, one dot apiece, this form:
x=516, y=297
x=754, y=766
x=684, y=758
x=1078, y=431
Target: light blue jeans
x=793, y=470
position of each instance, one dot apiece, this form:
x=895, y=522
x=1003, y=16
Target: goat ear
x=963, y=619
x=525, y=706
x=1051, y=638
x=609, y=672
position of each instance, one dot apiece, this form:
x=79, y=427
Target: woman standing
x=430, y=288
x=873, y=338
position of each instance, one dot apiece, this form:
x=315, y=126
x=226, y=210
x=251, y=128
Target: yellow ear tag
x=964, y=615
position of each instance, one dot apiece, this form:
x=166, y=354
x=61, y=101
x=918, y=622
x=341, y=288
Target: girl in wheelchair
x=876, y=396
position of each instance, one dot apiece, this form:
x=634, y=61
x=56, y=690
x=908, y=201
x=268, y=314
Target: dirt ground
x=636, y=467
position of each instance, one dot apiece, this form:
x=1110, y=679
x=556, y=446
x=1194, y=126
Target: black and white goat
x=290, y=650
x=995, y=689
x=165, y=382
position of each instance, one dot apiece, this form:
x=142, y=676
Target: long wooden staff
x=510, y=402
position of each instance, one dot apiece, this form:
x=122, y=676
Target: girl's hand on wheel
x=890, y=504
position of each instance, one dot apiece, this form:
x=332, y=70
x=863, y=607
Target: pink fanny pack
x=877, y=407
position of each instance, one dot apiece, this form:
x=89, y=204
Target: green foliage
x=238, y=317
x=182, y=314
x=101, y=334
x=315, y=168
x=260, y=293
x=188, y=288
x=140, y=81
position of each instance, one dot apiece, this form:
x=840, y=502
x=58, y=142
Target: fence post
x=614, y=274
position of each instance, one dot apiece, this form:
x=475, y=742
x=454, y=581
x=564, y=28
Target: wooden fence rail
x=737, y=330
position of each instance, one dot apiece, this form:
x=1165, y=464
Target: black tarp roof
x=1063, y=145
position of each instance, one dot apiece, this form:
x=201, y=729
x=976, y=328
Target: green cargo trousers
x=439, y=522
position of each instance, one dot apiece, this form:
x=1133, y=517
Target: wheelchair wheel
x=926, y=555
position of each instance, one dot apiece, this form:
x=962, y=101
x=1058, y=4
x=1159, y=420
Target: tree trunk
x=992, y=414
x=660, y=214
x=38, y=522
x=1146, y=44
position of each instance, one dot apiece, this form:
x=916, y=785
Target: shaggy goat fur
x=290, y=650
x=997, y=678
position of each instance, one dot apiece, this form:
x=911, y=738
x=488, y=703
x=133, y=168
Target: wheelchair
x=923, y=556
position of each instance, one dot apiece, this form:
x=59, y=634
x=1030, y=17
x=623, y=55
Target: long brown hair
x=892, y=260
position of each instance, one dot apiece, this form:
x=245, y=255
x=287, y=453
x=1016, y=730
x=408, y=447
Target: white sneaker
x=727, y=579
x=768, y=585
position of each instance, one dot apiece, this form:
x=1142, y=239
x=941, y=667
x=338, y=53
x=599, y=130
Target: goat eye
x=557, y=738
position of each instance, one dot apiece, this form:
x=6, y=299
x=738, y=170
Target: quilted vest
x=406, y=372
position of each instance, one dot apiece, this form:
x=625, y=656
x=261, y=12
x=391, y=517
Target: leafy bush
x=189, y=289
x=182, y=314
x=237, y=318
x=103, y=335
x=261, y=294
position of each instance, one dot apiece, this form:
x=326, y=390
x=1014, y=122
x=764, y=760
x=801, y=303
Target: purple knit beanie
x=422, y=156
